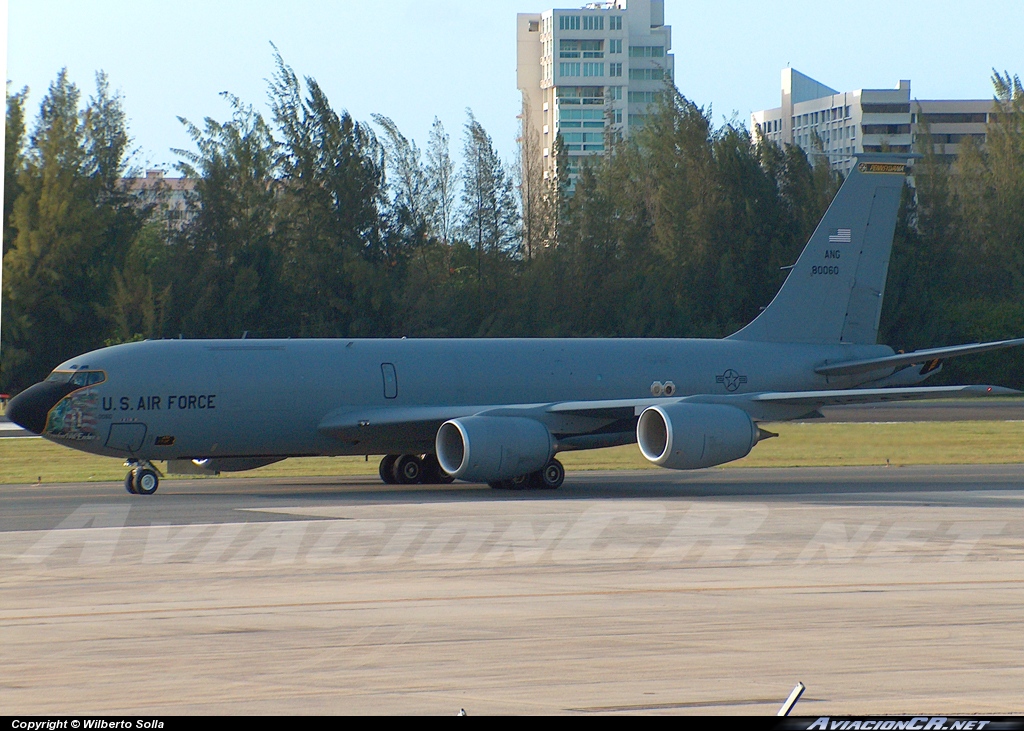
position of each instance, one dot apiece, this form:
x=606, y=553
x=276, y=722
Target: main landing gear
x=411, y=469
x=143, y=479
x=549, y=478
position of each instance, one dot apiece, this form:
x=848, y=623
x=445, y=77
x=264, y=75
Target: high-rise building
x=589, y=72
x=838, y=125
x=166, y=198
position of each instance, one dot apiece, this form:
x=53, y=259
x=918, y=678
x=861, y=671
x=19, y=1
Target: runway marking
x=819, y=588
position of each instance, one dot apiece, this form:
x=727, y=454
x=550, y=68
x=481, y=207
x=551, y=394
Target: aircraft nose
x=30, y=408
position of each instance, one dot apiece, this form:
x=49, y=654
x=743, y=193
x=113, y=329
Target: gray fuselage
x=183, y=399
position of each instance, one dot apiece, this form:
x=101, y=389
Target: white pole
x=791, y=701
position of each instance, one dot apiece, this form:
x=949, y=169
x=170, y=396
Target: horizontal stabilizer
x=899, y=360
x=880, y=395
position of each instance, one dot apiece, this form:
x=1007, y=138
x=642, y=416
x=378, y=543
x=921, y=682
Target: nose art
x=30, y=408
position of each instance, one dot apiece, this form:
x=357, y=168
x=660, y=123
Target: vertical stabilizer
x=834, y=292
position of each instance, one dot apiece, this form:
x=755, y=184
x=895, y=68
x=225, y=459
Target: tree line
x=308, y=223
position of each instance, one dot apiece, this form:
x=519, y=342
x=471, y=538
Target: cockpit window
x=77, y=378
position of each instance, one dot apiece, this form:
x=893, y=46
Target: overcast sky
x=413, y=61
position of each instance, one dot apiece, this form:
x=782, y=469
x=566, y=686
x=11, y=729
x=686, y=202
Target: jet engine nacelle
x=491, y=448
x=692, y=436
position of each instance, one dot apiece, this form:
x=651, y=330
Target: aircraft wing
x=419, y=424
x=784, y=405
x=849, y=368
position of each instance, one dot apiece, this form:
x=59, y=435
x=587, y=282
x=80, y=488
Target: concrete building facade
x=589, y=72
x=168, y=198
x=838, y=125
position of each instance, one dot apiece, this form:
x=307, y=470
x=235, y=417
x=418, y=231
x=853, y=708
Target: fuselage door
x=390, y=380
x=126, y=437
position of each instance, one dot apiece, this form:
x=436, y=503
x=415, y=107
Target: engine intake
x=490, y=448
x=692, y=436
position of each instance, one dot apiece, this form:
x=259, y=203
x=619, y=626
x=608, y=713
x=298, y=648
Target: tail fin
x=834, y=292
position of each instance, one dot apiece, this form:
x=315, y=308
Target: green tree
x=14, y=159
x=337, y=257
x=490, y=217
x=227, y=263
x=72, y=225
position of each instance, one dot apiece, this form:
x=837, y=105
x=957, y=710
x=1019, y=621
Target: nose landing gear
x=143, y=479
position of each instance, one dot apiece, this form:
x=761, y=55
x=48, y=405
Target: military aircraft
x=498, y=411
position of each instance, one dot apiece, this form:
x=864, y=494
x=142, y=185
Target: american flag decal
x=840, y=236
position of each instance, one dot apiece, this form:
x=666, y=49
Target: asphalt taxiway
x=894, y=591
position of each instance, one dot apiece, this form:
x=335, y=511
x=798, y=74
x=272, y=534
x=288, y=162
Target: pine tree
x=72, y=225
x=490, y=218
x=441, y=183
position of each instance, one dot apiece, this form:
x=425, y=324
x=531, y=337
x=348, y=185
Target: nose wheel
x=143, y=479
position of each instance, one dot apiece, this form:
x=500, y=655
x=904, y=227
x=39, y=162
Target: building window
x=654, y=74
x=593, y=69
x=615, y=92
x=615, y=46
x=885, y=129
x=568, y=48
x=618, y=116
x=568, y=22
x=885, y=108
x=593, y=22
x=644, y=97
x=615, y=22
x=646, y=51
x=591, y=95
x=587, y=138
x=955, y=118
x=568, y=69
x=615, y=69
x=593, y=118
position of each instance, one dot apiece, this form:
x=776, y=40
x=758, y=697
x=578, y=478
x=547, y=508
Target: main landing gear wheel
x=432, y=472
x=387, y=469
x=129, y=483
x=408, y=469
x=516, y=483
x=412, y=469
x=549, y=478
